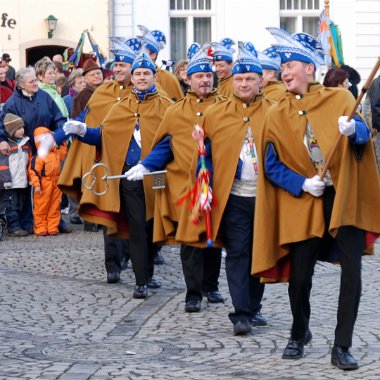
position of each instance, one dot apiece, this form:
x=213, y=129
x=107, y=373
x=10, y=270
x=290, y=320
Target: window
x=190, y=20
x=176, y=5
x=300, y=16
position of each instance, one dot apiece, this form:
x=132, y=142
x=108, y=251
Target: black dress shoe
x=113, y=277
x=90, y=227
x=65, y=229
x=258, y=320
x=159, y=259
x=193, y=306
x=153, y=283
x=342, y=358
x=294, y=348
x=242, y=328
x=75, y=220
x=215, y=297
x=141, y=291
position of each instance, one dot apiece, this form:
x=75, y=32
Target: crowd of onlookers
x=36, y=100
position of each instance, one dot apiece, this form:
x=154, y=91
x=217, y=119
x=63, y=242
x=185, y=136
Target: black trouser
x=152, y=247
x=114, y=249
x=237, y=230
x=201, y=269
x=351, y=243
x=132, y=200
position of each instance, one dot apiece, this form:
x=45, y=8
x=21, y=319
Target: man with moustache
x=173, y=149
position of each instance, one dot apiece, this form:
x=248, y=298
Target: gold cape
x=225, y=124
x=81, y=156
x=178, y=122
x=225, y=87
x=275, y=90
x=117, y=131
x=281, y=218
x=169, y=84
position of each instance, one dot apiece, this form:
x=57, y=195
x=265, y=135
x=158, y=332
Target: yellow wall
x=30, y=29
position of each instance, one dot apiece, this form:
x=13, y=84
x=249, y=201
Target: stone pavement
x=59, y=319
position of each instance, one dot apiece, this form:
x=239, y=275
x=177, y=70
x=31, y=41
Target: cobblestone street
x=59, y=319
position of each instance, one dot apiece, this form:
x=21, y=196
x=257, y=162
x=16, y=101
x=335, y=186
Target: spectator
x=60, y=84
x=4, y=81
x=44, y=174
x=77, y=84
x=354, y=78
x=337, y=78
x=94, y=78
x=180, y=73
x=14, y=173
x=45, y=71
x=107, y=75
x=5, y=94
x=58, y=58
x=58, y=70
x=11, y=72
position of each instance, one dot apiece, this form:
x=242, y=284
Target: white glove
x=136, y=173
x=75, y=127
x=346, y=128
x=46, y=142
x=205, y=201
x=314, y=186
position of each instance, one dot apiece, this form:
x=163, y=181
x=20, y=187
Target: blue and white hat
x=143, y=61
x=298, y=47
x=199, y=59
x=223, y=51
x=247, y=61
x=269, y=59
x=154, y=40
x=122, y=50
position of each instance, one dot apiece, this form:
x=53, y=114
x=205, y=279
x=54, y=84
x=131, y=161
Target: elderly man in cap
x=173, y=150
x=222, y=53
x=81, y=156
x=154, y=41
x=4, y=62
x=272, y=87
x=233, y=129
x=302, y=214
x=124, y=137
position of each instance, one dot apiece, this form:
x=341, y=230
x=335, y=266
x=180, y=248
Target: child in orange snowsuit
x=44, y=174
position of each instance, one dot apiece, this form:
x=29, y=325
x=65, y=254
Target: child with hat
x=14, y=173
x=44, y=173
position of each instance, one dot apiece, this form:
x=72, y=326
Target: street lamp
x=51, y=24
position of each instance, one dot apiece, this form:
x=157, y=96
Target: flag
x=75, y=57
x=331, y=40
x=98, y=51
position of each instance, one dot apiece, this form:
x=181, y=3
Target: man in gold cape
x=272, y=87
x=222, y=53
x=232, y=127
x=299, y=214
x=173, y=150
x=81, y=156
x=153, y=42
x=125, y=137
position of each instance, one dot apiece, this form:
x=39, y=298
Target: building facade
x=24, y=35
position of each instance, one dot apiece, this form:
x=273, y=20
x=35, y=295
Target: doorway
x=35, y=53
